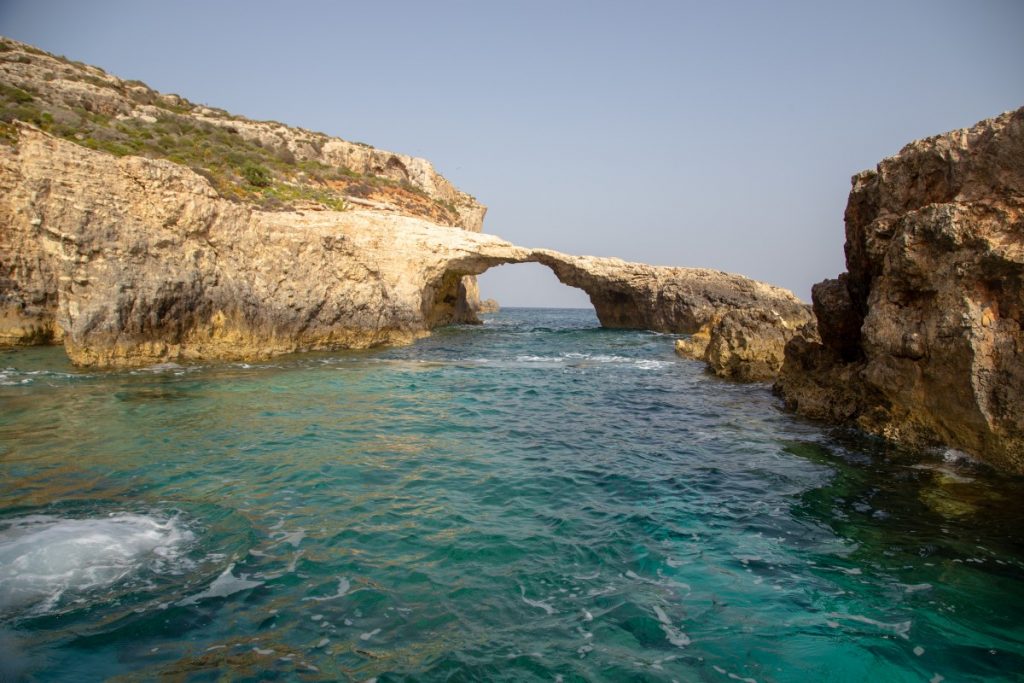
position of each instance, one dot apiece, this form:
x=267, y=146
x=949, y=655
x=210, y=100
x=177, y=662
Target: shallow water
x=532, y=499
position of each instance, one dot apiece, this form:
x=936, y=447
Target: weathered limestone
x=136, y=261
x=748, y=343
x=488, y=306
x=921, y=339
x=738, y=326
x=56, y=80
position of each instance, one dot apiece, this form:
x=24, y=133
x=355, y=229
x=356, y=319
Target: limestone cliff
x=738, y=326
x=138, y=227
x=261, y=162
x=134, y=260
x=921, y=340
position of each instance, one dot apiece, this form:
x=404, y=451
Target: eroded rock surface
x=138, y=260
x=243, y=248
x=135, y=261
x=87, y=105
x=748, y=343
x=921, y=339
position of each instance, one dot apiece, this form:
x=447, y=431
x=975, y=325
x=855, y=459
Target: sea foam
x=43, y=557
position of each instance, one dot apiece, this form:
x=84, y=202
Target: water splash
x=44, y=559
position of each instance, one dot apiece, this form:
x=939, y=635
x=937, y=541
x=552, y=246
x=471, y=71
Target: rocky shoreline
x=128, y=256
x=131, y=261
x=921, y=340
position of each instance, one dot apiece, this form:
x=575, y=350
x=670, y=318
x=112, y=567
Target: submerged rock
x=920, y=340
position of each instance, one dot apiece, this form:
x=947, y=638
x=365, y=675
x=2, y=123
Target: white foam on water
x=915, y=587
x=14, y=377
x=163, y=367
x=44, y=557
x=536, y=603
x=954, y=455
x=371, y=634
x=673, y=634
x=224, y=585
x=648, y=364
x=343, y=587
x=900, y=628
x=538, y=359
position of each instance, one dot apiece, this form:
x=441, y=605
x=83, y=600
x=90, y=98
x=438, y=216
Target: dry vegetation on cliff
x=284, y=169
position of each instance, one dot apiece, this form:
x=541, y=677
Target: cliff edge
x=131, y=261
x=921, y=340
x=141, y=228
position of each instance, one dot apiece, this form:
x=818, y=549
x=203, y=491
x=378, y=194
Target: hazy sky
x=716, y=134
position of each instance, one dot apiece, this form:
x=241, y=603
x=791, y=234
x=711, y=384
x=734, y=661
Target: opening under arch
x=529, y=285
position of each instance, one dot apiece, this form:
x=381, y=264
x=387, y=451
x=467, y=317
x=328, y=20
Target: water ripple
x=531, y=499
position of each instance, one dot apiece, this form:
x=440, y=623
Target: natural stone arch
x=624, y=294
x=172, y=272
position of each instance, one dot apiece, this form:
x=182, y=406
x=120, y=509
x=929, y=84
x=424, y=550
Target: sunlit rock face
x=921, y=338
x=134, y=261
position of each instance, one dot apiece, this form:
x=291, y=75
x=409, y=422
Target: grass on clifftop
x=239, y=169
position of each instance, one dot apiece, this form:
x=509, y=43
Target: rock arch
x=170, y=271
x=624, y=294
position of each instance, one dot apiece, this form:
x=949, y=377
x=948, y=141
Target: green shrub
x=256, y=175
x=16, y=95
x=8, y=134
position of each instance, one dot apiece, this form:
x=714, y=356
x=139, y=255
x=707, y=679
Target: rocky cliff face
x=738, y=326
x=133, y=261
x=921, y=340
x=294, y=167
x=139, y=227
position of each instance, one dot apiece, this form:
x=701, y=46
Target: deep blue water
x=534, y=499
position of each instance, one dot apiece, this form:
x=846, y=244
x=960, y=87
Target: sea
x=531, y=499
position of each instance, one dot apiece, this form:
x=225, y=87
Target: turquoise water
x=532, y=499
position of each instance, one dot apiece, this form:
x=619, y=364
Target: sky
x=715, y=134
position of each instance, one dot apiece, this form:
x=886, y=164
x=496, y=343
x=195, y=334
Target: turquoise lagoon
x=533, y=499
